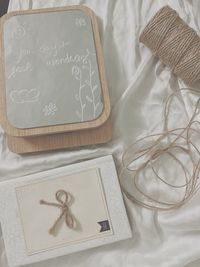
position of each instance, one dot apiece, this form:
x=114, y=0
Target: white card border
x=12, y=231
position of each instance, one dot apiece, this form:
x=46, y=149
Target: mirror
x=51, y=69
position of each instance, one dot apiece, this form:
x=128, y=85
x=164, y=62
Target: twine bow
x=62, y=197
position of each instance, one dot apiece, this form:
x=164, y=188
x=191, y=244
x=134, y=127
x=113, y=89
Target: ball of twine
x=174, y=43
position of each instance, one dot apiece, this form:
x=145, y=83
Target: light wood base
x=102, y=134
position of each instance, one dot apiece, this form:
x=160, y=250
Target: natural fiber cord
x=146, y=153
x=174, y=43
x=62, y=198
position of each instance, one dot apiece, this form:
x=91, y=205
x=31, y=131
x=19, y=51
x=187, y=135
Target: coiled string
x=143, y=159
x=174, y=43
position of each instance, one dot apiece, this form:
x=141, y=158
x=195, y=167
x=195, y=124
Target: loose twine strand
x=169, y=142
x=62, y=198
x=174, y=43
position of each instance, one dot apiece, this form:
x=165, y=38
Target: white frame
x=11, y=223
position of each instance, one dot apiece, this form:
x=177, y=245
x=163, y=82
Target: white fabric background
x=138, y=85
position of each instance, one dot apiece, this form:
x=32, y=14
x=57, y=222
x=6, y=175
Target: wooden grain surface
x=21, y=145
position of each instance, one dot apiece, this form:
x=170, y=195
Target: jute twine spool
x=174, y=43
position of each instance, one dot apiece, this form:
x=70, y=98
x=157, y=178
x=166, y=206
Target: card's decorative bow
x=62, y=197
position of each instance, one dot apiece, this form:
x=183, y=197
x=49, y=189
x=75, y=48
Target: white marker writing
x=20, y=69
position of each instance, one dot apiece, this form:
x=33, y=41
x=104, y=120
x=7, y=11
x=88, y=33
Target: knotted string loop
x=62, y=198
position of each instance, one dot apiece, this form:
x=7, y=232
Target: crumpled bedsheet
x=138, y=85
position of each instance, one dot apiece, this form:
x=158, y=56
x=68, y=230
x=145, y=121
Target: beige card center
x=86, y=204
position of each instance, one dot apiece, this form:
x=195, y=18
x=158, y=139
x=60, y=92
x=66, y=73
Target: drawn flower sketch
x=50, y=109
x=20, y=31
x=80, y=22
x=88, y=82
x=77, y=73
